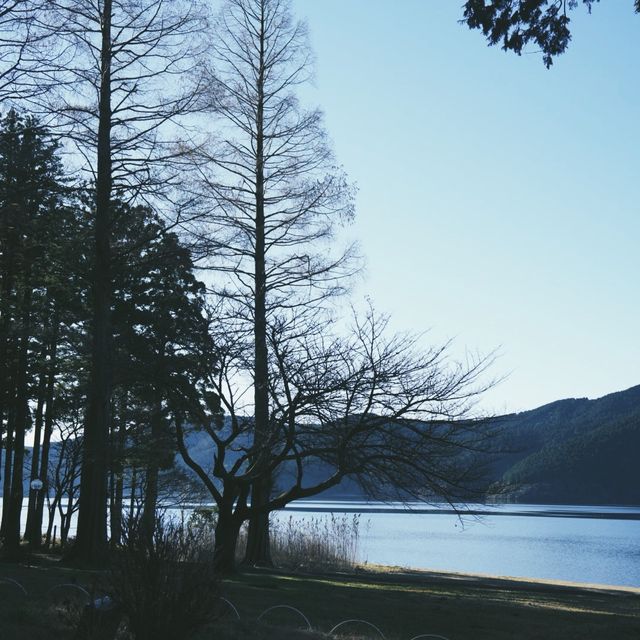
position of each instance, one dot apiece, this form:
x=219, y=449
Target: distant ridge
x=574, y=451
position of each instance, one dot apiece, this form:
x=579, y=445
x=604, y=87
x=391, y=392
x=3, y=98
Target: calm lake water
x=560, y=542
x=578, y=544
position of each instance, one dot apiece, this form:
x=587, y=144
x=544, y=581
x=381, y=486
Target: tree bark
x=91, y=542
x=116, y=493
x=52, y=514
x=258, y=552
x=7, y=474
x=11, y=392
x=132, y=494
x=5, y=320
x=116, y=509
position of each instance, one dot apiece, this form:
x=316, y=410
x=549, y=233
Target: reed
x=329, y=542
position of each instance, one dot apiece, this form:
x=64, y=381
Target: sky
x=498, y=201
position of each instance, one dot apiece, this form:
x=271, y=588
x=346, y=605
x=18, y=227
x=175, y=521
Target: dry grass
x=317, y=543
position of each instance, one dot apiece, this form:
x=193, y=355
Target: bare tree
x=63, y=464
x=369, y=405
x=21, y=44
x=274, y=199
x=124, y=72
x=64, y=479
x=129, y=71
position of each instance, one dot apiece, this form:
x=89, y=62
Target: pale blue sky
x=498, y=201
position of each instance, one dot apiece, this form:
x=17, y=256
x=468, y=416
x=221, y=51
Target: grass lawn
x=405, y=604
x=402, y=604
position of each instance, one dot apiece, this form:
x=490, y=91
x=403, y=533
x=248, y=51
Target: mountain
x=575, y=451
x=572, y=451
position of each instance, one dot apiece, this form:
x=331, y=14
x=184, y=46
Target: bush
x=162, y=584
x=201, y=526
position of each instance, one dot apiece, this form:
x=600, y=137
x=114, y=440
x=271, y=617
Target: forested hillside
x=572, y=451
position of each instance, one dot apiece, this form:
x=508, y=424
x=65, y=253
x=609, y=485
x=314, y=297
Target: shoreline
x=600, y=512
x=482, y=580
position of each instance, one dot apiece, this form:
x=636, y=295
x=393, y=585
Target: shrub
x=162, y=584
x=201, y=526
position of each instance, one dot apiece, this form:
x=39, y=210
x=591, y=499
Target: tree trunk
x=1, y=443
x=63, y=524
x=9, y=442
x=227, y=531
x=8, y=261
x=132, y=494
x=91, y=543
x=65, y=520
x=12, y=531
x=52, y=515
x=32, y=533
x=157, y=451
x=258, y=552
x=149, y=503
x=118, y=443
x=58, y=488
x=116, y=509
x=48, y=426
x=258, y=536
x=6, y=480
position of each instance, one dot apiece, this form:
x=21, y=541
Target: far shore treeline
x=573, y=451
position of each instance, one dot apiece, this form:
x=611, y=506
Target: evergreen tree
x=32, y=193
x=159, y=327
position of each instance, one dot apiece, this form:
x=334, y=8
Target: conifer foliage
x=32, y=227
x=514, y=24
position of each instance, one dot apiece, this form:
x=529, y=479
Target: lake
x=592, y=544
x=578, y=544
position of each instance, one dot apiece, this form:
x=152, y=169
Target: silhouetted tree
x=62, y=363
x=22, y=45
x=31, y=202
x=516, y=23
x=274, y=198
x=121, y=70
x=371, y=406
x=64, y=475
x=158, y=318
